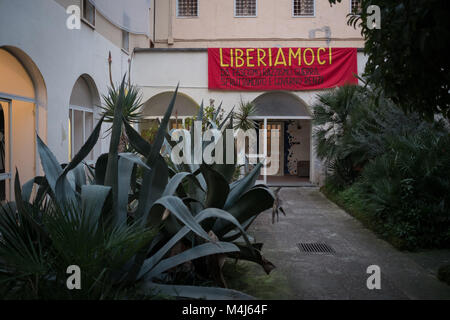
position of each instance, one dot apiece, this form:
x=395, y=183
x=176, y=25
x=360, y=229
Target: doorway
x=289, y=115
x=5, y=174
x=275, y=145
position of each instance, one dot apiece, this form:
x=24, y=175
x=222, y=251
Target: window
x=125, y=40
x=187, y=8
x=303, y=8
x=355, y=6
x=245, y=8
x=82, y=104
x=88, y=12
x=81, y=125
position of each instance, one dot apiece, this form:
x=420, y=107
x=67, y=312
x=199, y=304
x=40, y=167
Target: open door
x=275, y=146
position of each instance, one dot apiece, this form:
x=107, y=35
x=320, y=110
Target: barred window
x=88, y=12
x=245, y=8
x=187, y=8
x=303, y=8
x=356, y=6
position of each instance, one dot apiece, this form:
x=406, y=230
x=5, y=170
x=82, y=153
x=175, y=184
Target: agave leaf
x=85, y=149
x=74, y=165
x=162, y=130
x=194, y=292
x=218, y=187
x=152, y=188
x=216, y=114
x=228, y=117
x=235, y=234
x=100, y=169
x=42, y=191
x=50, y=165
x=79, y=174
x=196, y=252
x=176, y=206
x=93, y=198
x=111, y=175
x=27, y=188
x=250, y=204
x=141, y=145
x=23, y=208
x=131, y=157
x=226, y=170
x=149, y=263
x=111, y=169
x=53, y=171
x=126, y=165
x=125, y=169
x=200, y=113
x=243, y=186
x=254, y=256
x=222, y=215
x=176, y=180
x=212, y=125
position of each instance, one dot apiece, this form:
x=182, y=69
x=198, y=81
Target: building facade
x=52, y=77
x=183, y=30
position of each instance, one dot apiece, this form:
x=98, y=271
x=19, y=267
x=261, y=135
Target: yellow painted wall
x=274, y=25
x=13, y=77
x=20, y=132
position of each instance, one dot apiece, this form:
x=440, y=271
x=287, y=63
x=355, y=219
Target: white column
x=265, y=152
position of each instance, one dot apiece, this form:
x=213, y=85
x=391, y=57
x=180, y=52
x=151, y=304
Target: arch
x=23, y=99
x=288, y=114
x=82, y=110
x=40, y=88
x=277, y=104
x=157, y=105
x=85, y=93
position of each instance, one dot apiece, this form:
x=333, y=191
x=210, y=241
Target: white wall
x=160, y=71
x=38, y=27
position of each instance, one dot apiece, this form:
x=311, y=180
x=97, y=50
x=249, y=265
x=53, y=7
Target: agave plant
x=132, y=102
x=119, y=229
x=242, y=117
x=211, y=187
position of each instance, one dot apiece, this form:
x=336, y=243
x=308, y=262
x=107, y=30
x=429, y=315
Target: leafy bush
x=129, y=235
x=390, y=169
x=408, y=188
x=407, y=46
x=444, y=274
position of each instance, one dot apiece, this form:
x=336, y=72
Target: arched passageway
x=155, y=108
x=84, y=100
x=23, y=100
x=288, y=141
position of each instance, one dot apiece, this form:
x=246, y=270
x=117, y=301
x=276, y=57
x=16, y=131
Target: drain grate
x=315, y=248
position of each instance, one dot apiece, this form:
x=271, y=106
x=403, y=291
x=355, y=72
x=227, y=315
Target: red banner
x=264, y=69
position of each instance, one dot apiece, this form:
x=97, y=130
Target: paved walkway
x=313, y=218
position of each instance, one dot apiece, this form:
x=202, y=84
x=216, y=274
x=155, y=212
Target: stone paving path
x=311, y=218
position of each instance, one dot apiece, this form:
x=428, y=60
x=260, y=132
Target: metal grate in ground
x=316, y=248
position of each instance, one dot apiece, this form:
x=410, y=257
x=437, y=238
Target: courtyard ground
x=312, y=218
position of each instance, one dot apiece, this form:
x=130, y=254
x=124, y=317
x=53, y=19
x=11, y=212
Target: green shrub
x=408, y=189
x=390, y=169
x=444, y=274
x=129, y=234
